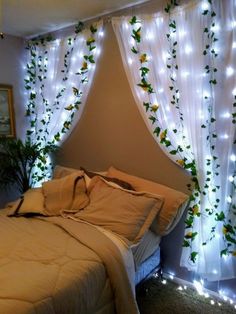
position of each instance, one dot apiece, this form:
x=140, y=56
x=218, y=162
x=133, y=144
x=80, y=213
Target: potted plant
x=17, y=160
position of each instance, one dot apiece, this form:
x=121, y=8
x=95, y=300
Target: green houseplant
x=17, y=160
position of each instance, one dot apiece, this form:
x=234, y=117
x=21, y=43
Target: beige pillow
x=174, y=200
x=126, y=213
x=32, y=202
x=67, y=194
x=60, y=171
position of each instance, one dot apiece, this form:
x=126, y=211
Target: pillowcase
x=30, y=204
x=121, y=183
x=60, y=171
x=67, y=194
x=126, y=213
x=175, y=201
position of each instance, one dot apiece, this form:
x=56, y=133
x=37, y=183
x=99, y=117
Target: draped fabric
x=59, y=76
x=201, y=126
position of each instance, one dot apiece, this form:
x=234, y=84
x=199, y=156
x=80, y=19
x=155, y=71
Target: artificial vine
x=37, y=71
x=152, y=109
x=212, y=163
x=228, y=230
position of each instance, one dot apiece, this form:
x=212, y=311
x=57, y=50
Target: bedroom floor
x=153, y=297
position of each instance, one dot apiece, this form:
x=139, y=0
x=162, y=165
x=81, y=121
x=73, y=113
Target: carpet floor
x=153, y=297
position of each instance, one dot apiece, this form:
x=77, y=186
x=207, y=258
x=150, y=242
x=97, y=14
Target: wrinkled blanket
x=60, y=266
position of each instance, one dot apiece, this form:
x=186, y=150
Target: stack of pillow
x=124, y=204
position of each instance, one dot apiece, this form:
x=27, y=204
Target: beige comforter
x=60, y=266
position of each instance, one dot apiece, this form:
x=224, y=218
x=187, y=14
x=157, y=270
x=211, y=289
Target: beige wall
x=111, y=130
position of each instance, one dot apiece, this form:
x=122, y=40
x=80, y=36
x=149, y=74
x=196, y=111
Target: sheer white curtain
x=198, y=121
x=59, y=76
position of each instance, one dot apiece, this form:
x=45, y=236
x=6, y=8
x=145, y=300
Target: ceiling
x=27, y=18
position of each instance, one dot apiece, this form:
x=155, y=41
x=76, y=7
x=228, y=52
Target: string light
x=229, y=71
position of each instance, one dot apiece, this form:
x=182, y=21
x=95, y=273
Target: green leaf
x=186, y=243
x=193, y=256
x=133, y=20
x=220, y=216
x=157, y=131
x=224, y=252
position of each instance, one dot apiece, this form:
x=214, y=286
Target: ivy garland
x=229, y=231
x=37, y=71
x=210, y=53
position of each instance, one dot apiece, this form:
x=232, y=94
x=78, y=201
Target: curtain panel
x=181, y=69
x=58, y=79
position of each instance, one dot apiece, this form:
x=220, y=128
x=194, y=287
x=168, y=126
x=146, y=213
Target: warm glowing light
x=212, y=302
x=234, y=45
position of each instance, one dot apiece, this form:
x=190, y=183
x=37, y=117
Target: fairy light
x=101, y=33
x=233, y=157
x=199, y=287
x=188, y=49
x=150, y=36
x=226, y=115
x=231, y=179
x=212, y=302
x=234, y=45
x=130, y=61
x=182, y=33
x=229, y=199
x=205, y=5
x=229, y=71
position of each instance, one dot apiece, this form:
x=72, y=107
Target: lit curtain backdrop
x=181, y=69
x=58, y=80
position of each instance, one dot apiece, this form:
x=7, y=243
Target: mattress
x=146, y=256
x=147, y=246
x=147, y=267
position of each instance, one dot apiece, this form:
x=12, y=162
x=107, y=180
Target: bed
x=77, y=261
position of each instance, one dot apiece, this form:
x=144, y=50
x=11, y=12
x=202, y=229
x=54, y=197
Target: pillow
x=30, y=204
x=175, y=201
x=67, y=194
x=60, y=171
x=126, y=213
x=121, y=183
